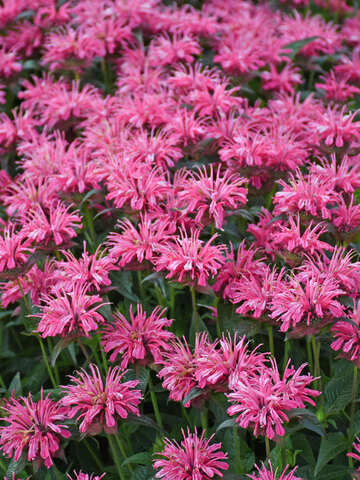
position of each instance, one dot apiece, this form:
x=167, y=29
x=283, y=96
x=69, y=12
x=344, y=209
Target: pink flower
x=166, y=50
x=135, y=245
x=85, y=476
x=347, y=336
x=261, y=400
x=99, y=405
x=178, y=372
x=33, y=427
x=357, y=448
x=334, y=127
x=306, y=306
x=216, y=362
x=337, y=89
x=92, y=270
x=346, y=217
x=291, y=238
x=69, y=314
x=267, y=473
x=189, y=260
x=209, y=196
x=312, y=195
x=142, y=340
x=344, y=175
x=56, y=226
x=285, y=81
x=15, y=248
x=194, y=459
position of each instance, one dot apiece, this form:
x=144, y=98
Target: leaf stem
x=271, y=340
x=116, y=457
x=93, y=454
x=267, y=447
x=55, y=385
x=353, y=402
x=83, y=349
x=194, y=308
x=154, y=403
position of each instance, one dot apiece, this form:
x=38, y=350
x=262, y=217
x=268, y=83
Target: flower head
x=194, y=459
x=33, y=427
x=267, y=473
x=189, y=260
x=143, y=339
x=69, y=314
x=98, y=404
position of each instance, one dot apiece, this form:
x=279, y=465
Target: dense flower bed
x=179, y=239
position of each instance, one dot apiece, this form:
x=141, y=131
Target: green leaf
x=142, y=458
x=295, y=47
x=229, y=423
x=16, y=466
x=143, y=377
x=307, y=419
x=59, y=347
x=301, y=443
x=338, y=391
x=331, y=446
x=15, y=385
x=195, y=392
x=144, y=421
x=333, y=472
x=89, y=194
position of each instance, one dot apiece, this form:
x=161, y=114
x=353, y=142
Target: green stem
x=122, y=450
x=89, y=222
x=309, y=356
x=103, y=356
x=26, y=300
x=172, y=301
x=83, y=349
x=286, y=354
x=353, y=402
x=57, y=376
x=93, y=454
x=316, y=352
x=187, y=417
x=271, y=340
x=141, y=286
x=204, y=420
x=238, y=468
x=116, y=457
x=4, y=469
x=55, y=385
x=194, y=308
x=218, y=326
x=212, y=229
x=57, y=473
x=2, y=383
x=105, y=75
x=155, y=404
x=58, y=256
x=267, y=447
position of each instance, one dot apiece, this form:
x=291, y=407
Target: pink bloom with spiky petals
x=92, y=270
x=15, y=248
x=85, y=476
x=267, y=473
x=357, y=448
x=194, y=459
x=141, y=340
x=347, y=336
x=137, y=244
x=101, y=404
x=311, y=195
x=69, y=314
x=178, y=372
x=33, y=427
x=216, y=362
x=189, y=260
x=210, y=194
x=306, y=306
x=262, y=399
x=54, y=227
